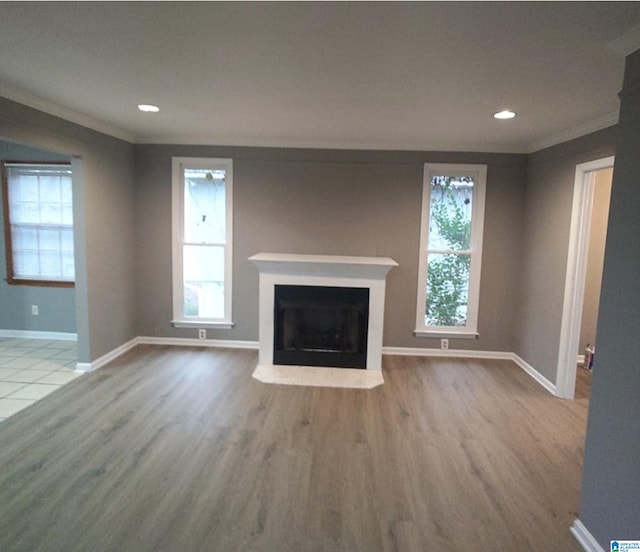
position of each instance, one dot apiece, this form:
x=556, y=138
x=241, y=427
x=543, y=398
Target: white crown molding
x=626, y=43
x=52, y=108
x=605, y=121
x=47, y=106
x=309, y=143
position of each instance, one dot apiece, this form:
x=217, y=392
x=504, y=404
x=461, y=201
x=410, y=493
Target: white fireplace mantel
x=375, y=268
x=322, y=270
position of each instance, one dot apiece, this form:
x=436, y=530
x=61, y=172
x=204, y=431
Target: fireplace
x=321, y=326
x=344, y=300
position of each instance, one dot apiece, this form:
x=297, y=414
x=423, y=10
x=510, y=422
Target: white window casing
x=202, y=250
x=468, y=327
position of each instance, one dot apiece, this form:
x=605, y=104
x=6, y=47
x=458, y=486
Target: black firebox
x=321, y=326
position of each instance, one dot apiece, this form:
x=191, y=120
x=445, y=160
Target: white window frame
x=14, y=277
x=479, y=175
x=179, y=164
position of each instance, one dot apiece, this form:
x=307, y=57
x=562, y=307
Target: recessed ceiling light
x=148, y=108
x=506, y=114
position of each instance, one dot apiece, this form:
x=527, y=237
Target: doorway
x=576, y=277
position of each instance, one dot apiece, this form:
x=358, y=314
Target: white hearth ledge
x=314, y=376
x=322, y=270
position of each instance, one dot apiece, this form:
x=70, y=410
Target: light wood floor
x=583, y=383
x=171, y=449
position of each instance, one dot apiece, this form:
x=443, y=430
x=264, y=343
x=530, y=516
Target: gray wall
x=547, y=218
x=610, y=508
x=595, y=260
x=330, y=202
x=103, y=218
x=56, y=305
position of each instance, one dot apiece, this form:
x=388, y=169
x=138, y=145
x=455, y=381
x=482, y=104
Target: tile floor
x=30, y=369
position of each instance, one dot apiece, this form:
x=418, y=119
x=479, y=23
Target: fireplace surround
x=279, y=271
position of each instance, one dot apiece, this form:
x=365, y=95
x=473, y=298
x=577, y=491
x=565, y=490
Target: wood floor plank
x=180, y=449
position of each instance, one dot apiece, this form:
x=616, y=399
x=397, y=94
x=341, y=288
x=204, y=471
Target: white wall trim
x=463, y=353
x=585, y=538
x=575, y=278
x=189, y=342
x=52, y=108
x=178, y=167
x=450, y=353
x=29, y=334
x=548, y=385
x=600, y=123
x=254, y=345
x=479, y=175
x=170, y=341
x=105, y=359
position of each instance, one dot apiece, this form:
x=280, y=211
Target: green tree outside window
x=449, y=259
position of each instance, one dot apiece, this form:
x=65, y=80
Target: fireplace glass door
x=321, y=326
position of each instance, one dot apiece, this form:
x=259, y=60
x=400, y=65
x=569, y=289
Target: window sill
x=202, y=324
x=444, y=334
x=13, y=281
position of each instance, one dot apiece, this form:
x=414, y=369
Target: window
x=202, y=254
x=450, y=250
x=38, y=221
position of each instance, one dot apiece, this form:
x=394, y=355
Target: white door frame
x=576, y=274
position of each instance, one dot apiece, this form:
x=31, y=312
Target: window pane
x=50, y=265
x=68, y=266
x=66, y=240
x=24, y=212
x=66, y=190
x=24, y=237
x=49, y=240
x=51, y=213
x=204, y=206
x=450, y=213
x=50, y=188
x=203, y=281
x=26, y=263
x=447, y=289
x=24, y=188
x=67, y=214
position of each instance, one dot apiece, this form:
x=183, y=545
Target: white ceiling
x=380, y=75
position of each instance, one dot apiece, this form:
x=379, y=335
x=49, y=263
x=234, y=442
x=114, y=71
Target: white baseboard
x=83, y=367
x=170, y=341
x=31, y=334
x=189, y=342
x=105, y=359
x=464, y=353
x=447, y=353
x=548, y=385
x=238, y=344
x=585, y=538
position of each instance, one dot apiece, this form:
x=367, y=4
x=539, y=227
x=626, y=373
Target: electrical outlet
x=202, y=334
x=444, y=344
x=34, y=310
